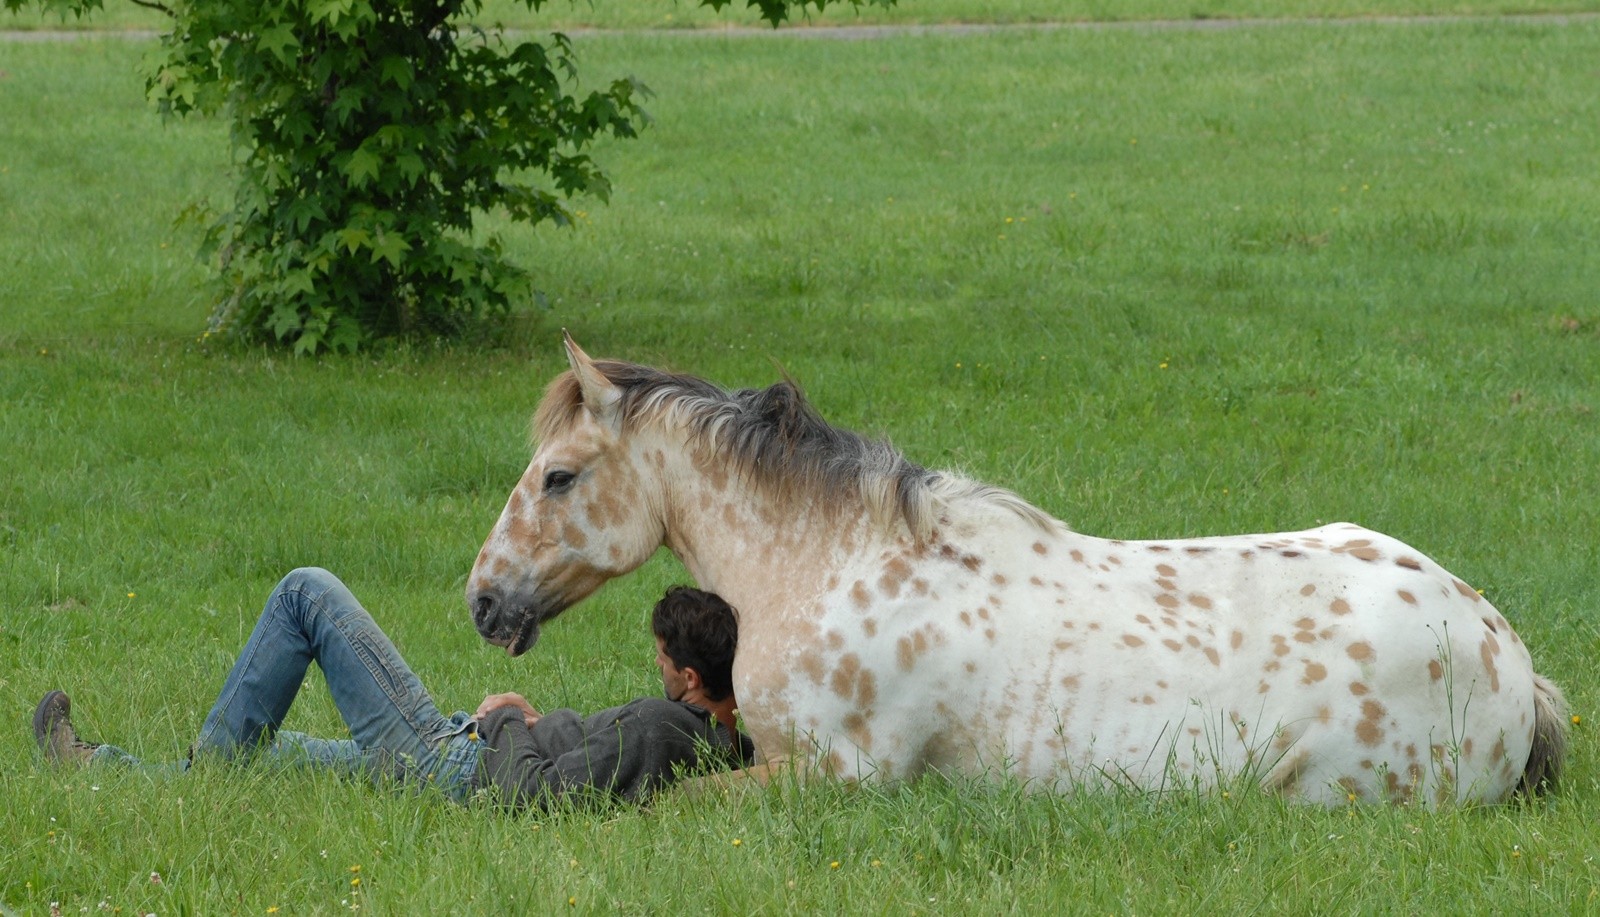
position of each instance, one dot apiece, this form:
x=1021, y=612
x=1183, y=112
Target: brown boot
x=52, y=729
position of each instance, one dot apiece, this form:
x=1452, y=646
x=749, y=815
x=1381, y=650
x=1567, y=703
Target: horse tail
x=1549, y=751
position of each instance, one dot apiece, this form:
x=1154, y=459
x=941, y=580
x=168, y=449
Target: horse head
x=580, y=515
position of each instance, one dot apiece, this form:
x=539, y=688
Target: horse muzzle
x=508, y=624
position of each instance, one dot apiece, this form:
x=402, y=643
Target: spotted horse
x=896, y=620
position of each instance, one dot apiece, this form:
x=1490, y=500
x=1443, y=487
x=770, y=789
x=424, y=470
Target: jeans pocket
x=456, y=724
x=371, y=655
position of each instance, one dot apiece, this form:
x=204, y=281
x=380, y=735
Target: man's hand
x=510, y=699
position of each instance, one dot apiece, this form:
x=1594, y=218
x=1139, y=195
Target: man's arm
x=627, y=751
x=724, y=782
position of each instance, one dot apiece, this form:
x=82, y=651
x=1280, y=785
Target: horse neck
x=748, y=544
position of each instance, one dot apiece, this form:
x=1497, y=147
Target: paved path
x=869, y=32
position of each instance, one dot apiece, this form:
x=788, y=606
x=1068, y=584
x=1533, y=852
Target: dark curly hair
x=699, y=631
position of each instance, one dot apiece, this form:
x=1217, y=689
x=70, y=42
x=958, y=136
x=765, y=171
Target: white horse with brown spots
x=895, y=620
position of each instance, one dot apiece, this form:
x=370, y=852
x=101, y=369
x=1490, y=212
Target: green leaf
x=349, y=101
x=390, y=247
x=397, y=70
x=303, y=211
x=297, y=127
x=284, y=320
x=362, y=167
x=329, y=11
x=298, y=282
x=279, y=41
x=354, y=237
x=345, y=335
x=411, y=167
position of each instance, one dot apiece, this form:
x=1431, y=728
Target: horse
x=896, y=621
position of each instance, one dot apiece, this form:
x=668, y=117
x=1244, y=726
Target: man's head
x=696, y=632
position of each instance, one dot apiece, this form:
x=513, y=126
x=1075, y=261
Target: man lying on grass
x=507, y=748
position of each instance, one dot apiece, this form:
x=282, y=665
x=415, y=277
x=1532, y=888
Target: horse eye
x=557, y=481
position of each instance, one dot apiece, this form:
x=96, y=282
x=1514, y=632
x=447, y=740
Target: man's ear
x=692, y=679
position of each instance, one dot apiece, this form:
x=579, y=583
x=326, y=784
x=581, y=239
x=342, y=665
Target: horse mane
x=776, y=438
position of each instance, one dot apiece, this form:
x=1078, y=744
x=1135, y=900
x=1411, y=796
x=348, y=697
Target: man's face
x=672, y=677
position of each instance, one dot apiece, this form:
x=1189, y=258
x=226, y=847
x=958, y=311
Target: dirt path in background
x=869, y=32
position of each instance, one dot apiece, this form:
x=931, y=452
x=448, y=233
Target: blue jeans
x=395, y=729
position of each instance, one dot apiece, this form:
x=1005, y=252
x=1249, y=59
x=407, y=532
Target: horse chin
x=525, y=637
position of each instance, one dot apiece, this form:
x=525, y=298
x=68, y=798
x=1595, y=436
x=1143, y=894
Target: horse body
x=925, y=622
x=1067, y=659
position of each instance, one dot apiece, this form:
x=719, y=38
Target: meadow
x=573, y=15
x=1160, y=282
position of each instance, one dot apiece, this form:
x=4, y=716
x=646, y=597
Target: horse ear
x=599, y=395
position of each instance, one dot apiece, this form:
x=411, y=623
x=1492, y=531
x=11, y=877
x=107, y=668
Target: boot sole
x=53, y=707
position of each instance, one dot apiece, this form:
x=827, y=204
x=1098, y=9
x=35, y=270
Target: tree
x=368, y=136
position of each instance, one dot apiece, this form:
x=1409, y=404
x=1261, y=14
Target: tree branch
x=150, y=4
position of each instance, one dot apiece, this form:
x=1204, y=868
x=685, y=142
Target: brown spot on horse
x=811, y=663
x=905, y=654
x=844, y=676
x=1368, y=731
x=1487, y=650
x=859, y=595
x=895, y=573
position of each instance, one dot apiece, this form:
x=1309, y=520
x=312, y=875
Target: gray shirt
x=625, y=752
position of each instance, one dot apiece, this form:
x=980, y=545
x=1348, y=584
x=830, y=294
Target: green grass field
x=686, y=14
x=1159, y=282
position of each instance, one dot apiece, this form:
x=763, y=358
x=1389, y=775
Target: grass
x=1160, y=283
x=683, y=14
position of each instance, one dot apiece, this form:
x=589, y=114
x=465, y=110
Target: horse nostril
x=484, y=608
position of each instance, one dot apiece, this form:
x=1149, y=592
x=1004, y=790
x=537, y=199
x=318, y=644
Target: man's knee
x=308, y=580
